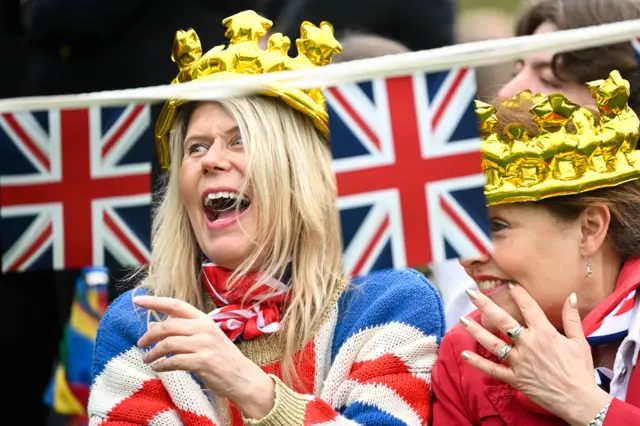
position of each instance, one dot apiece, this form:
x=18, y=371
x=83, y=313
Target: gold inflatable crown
x=559, y=161
x=242, y=56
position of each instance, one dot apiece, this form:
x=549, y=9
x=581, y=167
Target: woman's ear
x=594, y=224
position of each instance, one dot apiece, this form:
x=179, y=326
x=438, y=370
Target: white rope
x=462, y=55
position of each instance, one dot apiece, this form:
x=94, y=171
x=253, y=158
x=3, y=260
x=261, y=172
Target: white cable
x=474, y=54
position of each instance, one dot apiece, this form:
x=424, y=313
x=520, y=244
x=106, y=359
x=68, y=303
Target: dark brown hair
x=623, y=200
x=595, y=63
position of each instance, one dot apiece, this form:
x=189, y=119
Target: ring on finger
x=504, y=351
x=515, y=332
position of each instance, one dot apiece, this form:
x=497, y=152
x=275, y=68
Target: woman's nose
x=517, y=84
x=215, y=159
x=469, y=263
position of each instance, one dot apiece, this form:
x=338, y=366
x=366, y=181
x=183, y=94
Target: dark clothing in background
x=92, y=45
x=418, y=25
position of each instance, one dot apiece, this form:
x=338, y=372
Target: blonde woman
x=244, y=315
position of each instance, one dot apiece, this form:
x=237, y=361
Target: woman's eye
x=497, y=226
x=197, y=148
x=549, y=83
x=237, y=141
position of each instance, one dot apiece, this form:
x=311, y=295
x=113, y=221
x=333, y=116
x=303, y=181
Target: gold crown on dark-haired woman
x=559, y=161
x=243, y=56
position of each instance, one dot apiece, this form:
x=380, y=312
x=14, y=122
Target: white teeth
x=490, y=284
x=215, y=195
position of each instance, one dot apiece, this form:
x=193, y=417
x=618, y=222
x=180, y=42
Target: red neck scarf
x=260, y=313
x=617, y=304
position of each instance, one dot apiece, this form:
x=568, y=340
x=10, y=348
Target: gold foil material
x=558, y=160
x=316, y=47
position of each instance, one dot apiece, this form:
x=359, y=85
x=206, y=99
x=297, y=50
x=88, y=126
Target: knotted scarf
x=242, y=316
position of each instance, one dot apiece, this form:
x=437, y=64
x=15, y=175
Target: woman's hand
x=196, y=344
x=553, y=370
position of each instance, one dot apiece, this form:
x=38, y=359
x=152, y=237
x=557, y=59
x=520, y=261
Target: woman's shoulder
x=399, y=297
x=120, y=327
x=457, y=339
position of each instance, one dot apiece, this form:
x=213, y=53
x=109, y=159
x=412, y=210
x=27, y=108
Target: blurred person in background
x=362, y=46
x=568, y=72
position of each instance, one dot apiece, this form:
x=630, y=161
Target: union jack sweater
x=369, y=363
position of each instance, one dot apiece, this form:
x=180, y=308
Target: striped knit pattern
x=369, y=364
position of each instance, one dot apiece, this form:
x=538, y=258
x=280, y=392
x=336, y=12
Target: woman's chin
x=226, y=252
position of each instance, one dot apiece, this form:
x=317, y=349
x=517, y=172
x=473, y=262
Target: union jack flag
x=75, y=188
x=406, y=152
x=635, y=43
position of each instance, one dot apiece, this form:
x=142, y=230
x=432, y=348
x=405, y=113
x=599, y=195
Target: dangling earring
x=589, y=271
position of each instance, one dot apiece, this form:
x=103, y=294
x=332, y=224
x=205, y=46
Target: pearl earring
x=589, y=271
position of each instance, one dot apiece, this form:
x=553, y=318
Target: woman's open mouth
x=223, y=206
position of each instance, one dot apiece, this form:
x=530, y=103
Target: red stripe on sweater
x=386, y=364
x=146, y=403
x=305, y=364
x=193, y=419
x=393, y=373
x=318, y=411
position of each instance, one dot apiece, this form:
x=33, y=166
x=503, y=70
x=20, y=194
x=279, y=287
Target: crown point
x=246, y=26
x=186, y=48
x=486, y=116
x=553, y=110
x=612, y=94
x=318, y=44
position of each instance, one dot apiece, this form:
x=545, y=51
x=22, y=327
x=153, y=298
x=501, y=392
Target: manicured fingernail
x=472, y=294
x=465, y=355
x=465, y=321
x=510, y=285
x=573, y=300
x=152, y=324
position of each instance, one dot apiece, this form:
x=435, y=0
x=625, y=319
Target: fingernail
x=472, y=294
x=465, y=321
x=510, y=285
x=152, y=324
x=465, y=355
x=573, y=300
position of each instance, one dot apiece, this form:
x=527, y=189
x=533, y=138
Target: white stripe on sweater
x=166, y=418
x=322, y=343
x=120, y=378
x=380, y=396
x=369, y=344
x=186, y=394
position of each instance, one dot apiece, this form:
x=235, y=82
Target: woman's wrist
x=585, y=409
x=258, y=397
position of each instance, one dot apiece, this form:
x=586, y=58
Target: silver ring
x=514, y=333
x=504, y=351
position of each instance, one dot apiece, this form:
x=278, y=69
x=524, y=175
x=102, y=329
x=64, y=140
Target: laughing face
x=536, y=249
x=211, y=177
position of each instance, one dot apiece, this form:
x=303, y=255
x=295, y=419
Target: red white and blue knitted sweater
x=369, y=363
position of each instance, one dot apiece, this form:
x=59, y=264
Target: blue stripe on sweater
x=370, y=415
x=386, y=296
x=120, y=328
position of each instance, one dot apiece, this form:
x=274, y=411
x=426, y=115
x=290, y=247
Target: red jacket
x=466, y=396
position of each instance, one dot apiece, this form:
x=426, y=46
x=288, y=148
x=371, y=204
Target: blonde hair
x=293, y=188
